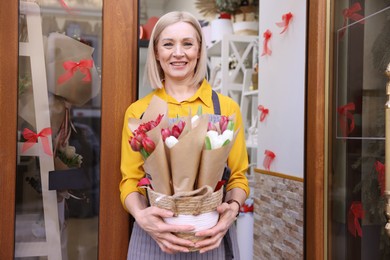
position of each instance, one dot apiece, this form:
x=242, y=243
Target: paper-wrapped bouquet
x=184, y=161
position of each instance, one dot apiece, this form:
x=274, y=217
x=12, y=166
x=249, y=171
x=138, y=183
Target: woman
x=176, y=69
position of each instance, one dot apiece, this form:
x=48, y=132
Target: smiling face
x=177, y=51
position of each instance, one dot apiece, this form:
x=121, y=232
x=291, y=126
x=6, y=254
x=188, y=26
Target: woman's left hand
x=227, y=215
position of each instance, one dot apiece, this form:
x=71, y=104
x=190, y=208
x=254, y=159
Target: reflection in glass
x=356, y=220
x=59, y=108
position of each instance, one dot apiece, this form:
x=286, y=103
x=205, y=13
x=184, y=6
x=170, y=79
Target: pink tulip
x=211, y=127
x=223, y=122
x=165, y=133
x=148, y=145
x=181, y=125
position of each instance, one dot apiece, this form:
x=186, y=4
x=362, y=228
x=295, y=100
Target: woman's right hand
x=151, y=220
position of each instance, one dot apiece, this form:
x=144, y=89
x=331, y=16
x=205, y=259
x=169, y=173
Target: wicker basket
x=194, y=204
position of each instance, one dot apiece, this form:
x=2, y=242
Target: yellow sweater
x=132, y=162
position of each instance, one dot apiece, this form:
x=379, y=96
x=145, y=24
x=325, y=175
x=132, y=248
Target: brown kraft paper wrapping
x=185, y=157
x=212, y=165
x=61, y=48
x=156, y=165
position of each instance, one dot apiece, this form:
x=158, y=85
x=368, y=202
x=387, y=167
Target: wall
x=279, y=189
x=278, y=218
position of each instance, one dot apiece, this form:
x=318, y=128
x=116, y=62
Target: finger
x=164, y=248
x=208, y=244
x=163, y=213
x=176, y=245
x=207, y=241
x=221, y=227
x=175, y=240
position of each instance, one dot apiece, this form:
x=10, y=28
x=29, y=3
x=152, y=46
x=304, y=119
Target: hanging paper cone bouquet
x=71, y=71
x=184, y=160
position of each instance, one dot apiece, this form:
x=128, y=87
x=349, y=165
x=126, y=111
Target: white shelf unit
x=50, y=247
x=238, y=49
x=235, y=80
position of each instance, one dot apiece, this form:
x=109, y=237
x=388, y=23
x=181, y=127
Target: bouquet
x=184, y=160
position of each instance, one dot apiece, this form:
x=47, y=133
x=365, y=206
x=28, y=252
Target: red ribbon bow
x=269, y=157
x=380, y=169
x=144, y=182
x=267, y=36
x=65, y=6
x=344, y=116
x=355, y=212
x=350, y=13
x=246, y=208
x=264, y=112
x=32, y=139
x=71, y=67
x=286, y=18
x=219, y=185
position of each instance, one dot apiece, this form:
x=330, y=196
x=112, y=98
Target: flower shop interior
x=312, y=81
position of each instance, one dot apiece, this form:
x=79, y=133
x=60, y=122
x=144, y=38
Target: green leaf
x=226, y=142
x=230, y=125
x=199, y=112
x=144, y=153
x=207, y=143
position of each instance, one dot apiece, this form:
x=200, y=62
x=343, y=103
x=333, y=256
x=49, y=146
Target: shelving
x=231, y=64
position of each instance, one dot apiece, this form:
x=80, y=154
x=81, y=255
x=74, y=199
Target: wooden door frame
x=8, y=123
x=315, y=131
x=119, y=89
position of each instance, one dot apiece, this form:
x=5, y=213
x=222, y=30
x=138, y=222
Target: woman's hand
x=151, y=220
x=227, y=215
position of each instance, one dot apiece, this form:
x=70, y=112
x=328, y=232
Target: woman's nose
x=178, y=51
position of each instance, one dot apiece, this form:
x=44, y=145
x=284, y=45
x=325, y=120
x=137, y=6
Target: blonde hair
x=153, y=71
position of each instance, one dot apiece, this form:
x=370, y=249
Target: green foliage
x=228, y=6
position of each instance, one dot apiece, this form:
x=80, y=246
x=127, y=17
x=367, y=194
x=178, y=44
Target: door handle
x=387, y=152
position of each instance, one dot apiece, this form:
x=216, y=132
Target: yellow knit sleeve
x=238, y=157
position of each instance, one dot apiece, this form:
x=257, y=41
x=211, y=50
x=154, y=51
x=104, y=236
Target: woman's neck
x=180, y=90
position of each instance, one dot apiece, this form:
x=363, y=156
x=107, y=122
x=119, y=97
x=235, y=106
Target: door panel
x=356, y=203
x=96, y=126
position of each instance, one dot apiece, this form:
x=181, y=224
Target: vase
x=219, y=28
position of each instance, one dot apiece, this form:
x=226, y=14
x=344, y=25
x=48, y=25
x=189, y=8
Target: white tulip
x=171, y=141
x=194, y=118
x=228, y=135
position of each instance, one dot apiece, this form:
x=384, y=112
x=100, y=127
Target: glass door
x=357, y=151
x=59, y=121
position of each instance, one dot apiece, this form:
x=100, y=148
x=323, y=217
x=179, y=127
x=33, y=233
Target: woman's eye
x=187, y=44
x=168, y=44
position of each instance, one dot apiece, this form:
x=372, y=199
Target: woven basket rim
x=187, y=203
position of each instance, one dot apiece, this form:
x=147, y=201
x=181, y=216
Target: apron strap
x=216, y=105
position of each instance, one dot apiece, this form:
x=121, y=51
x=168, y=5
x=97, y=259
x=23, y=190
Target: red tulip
x=148, y=145
x=144, y=127
x=165, y=133
x=139, y=136
x=158, y=119
x=135, y=144
x=176, y=131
